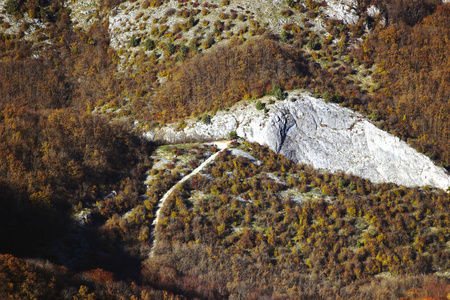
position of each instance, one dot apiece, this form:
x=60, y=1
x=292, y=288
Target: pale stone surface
x=83, y=13
x=373, y=11
x=326, y=136
x=342, y=10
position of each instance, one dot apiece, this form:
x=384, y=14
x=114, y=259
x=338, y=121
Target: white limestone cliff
x=325, y=135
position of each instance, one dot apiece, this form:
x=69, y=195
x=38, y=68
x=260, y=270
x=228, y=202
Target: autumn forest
x=73, y=108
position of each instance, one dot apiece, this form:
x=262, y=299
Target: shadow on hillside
x=86, y=249
x=33, y=230
x=26, y=228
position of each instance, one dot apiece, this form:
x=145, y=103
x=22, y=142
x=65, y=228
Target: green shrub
x=314, y=45
x=259, y=105
x=134, y=41
x=232, y=135
x=170, y=47
x=149, y=44
x=326, y=97
x=181, y=124
x=352, y=186
x=206, y=119
x=290, y=3
x=12, y=7
x=374, y=116
x=284, y=36
x=183, y=51
x=278, y=92
x=337, y=98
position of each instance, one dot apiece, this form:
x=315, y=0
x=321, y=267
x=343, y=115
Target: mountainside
x=224, y=149
x=252, y=213
x=310, y=131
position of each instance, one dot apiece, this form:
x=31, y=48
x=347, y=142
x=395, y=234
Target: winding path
x=222, y=145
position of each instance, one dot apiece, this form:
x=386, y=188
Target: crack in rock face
x=324, y=135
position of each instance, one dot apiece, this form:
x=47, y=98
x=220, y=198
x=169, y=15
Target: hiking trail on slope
x=222, y=145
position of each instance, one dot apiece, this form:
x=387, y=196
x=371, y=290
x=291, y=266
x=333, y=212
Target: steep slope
x=327, y=136
x=222, y=146
x=161, y=29
x=257, y=224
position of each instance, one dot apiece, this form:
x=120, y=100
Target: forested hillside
x=80, y=82
x=266, y=226
x=414, y=76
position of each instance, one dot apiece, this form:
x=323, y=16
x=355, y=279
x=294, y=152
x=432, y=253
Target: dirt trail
x=222, y=145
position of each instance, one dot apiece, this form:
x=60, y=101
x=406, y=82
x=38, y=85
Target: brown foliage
x=35, y=83
x=414, y=71
x=244, y=229
x=410, y=12
x=35, y=279
x=225, y=75
x=50, y=159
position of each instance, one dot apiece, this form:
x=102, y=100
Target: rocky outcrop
x=345, y=10
x=327, y=136
x=342, y=10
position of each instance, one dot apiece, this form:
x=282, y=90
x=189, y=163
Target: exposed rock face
x=326, y=136
x=345, y=10
x=342, y=10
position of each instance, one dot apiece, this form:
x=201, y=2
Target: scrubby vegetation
x=413, y=72
x=367, y=78
x=226, y=75
x=277, y=222
x=72, y=164
x=42, y=280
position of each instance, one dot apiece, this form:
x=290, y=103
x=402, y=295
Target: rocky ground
x=325, y=135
